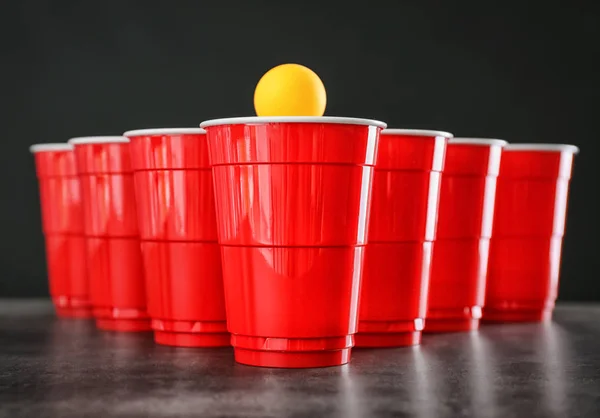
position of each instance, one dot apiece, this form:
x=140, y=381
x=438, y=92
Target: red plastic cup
x=178, y=229
x=395, y=284
x=112, y=239
x=529, y=224
x=62, y=225
x=460, y=256
x=292, y=198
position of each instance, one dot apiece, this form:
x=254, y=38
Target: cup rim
x=49, y=147
x=255, y=120
x=165, y=131
x=543, y=147
x=478, y=141
x=416, y=132
x=98, y=140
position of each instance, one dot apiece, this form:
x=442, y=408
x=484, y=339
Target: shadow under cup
x=292, y=199
x=178, y=229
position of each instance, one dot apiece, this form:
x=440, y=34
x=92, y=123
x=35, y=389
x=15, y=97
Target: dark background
x=522, y=71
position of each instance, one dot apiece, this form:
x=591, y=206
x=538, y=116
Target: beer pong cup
x=292, y=200
x=529, y=224
x=112, y=239
x=460, y=256
x=62, y=225
x=406, y=189
x=178, y=230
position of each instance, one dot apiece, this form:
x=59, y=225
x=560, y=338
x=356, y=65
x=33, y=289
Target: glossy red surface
x=529, y=224
x=411, y=153
x=185, y=292
x=393, y=299
x=531, y=207
x=67, y=273
x=109, y=205
x=291, y=143
x=460, y=257
x=103, y=158
x=406, y=204
x=292, y=205
x=457, y=288
x=62, y=224
x=281, y=292
x=60, y=195
x=169, y=151
x=395, y=284
x=114, y=258
x=177, y=221
x=117, y=283
x=176, y=205
x=328, y=206
x=526, y=286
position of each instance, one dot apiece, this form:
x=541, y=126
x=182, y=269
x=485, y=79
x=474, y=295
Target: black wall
x=526, y=73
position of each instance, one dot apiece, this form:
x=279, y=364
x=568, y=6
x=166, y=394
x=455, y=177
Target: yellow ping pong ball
x=290, y=90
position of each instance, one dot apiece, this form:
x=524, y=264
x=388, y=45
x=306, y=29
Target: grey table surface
x=66, y=368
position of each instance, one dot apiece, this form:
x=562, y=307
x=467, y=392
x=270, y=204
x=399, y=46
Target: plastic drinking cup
x=460, y=254
x=178, y=230
x=292, y=201
x=114, y=258
x=404, y=210
x=62, y=225
x=529, y=224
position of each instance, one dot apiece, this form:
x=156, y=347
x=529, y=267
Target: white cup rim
x=543, y=147
x=50, y=147
x=416, y=132
x=98, y=140
x=478, y=141
x=256, y=120
x=165, y=131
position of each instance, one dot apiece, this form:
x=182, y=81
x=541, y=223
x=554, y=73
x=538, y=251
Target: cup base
x=292, y=359
x=188, y=339
x=123, y=325
x=438, y=325
x=514, y=315
x=191, y=333
x=72, y=307
x=386, y=339
x=292, y=353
